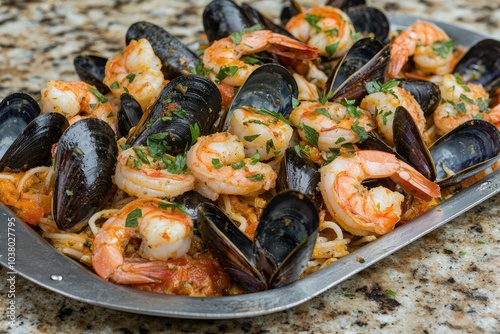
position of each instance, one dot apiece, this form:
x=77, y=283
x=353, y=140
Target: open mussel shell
x=33, y=146
x=176, y=58
x=184, y=102
x=230, y=246
x=223, y=17
x=84, y=166
x=17, y=110
x=129, y=114
x=366, y=61
x=91, y=69
x=481, y=64
x=285, y=237
x=298, y=172
x=410, y=145
x=370, y=21
x=270, y=86
x=426, y=93
x=465, y=151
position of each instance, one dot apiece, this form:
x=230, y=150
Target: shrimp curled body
x=76, y=100
x=151, y=180
x=165, y=233
x=418, y=41
x=375, y=211
x=218, y=162
x=224, y=54
x=136, y=70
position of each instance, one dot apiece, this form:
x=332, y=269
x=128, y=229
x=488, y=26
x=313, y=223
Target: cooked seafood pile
x=252, y=158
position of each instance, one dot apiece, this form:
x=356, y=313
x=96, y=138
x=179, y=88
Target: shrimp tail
x=141, y=272
x=291, y=48
x=415, y=183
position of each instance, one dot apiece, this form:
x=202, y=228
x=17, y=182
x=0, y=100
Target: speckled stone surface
x=445, y=282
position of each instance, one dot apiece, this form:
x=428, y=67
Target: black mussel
x=189, y=202
x=33, y=147
x=283, y=244
x=426, y=93
x=370, y=21
x=366, y=61
x=465, y=151
x=17, y=110
x=285, y=237
x=410, y=145
x=85, y=162
x=223, y=17
x=176, y=58
x=129, y=114
x=270, y=86
x=290, y=11
x=91, y=69
x=186, y=108
x=345, y=4
x=230, y=246
x=298, y=172
x=481, y=64
x=257, y=18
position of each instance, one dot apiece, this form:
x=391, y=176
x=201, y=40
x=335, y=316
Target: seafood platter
x=254, y=169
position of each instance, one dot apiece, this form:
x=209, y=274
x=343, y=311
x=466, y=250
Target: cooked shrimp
x=307, y=90
x=137, y=71
x=222, y=58
x=376, y=211
x=333, y=122
x=218, y=162
x=382, y=106
x=165, y=233
x=461, y=102
x=327, y=28
x=76, y=100
x=429, y=45
x=260, y=132
x=145, y=177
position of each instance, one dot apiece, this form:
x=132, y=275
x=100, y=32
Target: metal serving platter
x=37, y=261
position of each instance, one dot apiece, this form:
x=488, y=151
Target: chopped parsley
x=78, y=150
x=173, y=206
x=157, y=145
x=68, y=193
x=351, y=108
x=324, y=99
x=256, y=177
x=295, y=103
x=238, y=165
x=175, y=165
x=255, y=158
x=443, y=48
x=216, y=163
x=461, y=254
x=195, y=132
x=237, y=36
x=141, y=154
x=130, y=77
x=390, y=293
x=181, y=113
x=331, y=49
x=272, y=113
x=251, y=138
x=313, y=21
x=311, y=135
x=98, y=95
x=322, y=111
x=461, y=82
x=131, y=220
x=115, y=85
x=226, y=71
x=269, y=145
x=375, y=87
x=334, y=32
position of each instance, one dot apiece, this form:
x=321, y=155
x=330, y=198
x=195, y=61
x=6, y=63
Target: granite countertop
x=447, y=281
